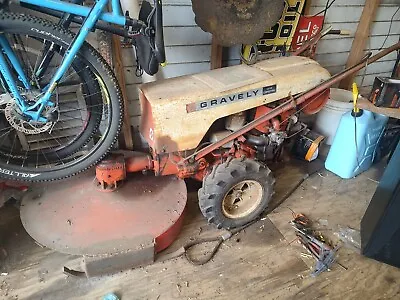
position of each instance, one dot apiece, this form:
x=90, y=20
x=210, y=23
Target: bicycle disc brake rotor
x=16, y=120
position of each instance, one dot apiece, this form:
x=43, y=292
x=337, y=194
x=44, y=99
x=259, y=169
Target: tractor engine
x=265, y=142
x=269, y=146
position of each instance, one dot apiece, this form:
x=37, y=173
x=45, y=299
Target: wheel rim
x=51, y=157
x=242, y=199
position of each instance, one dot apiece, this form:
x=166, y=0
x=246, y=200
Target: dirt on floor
x=262, y=262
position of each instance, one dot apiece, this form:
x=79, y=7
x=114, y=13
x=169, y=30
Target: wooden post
x=360, y=39
x=307, y=7
x=119, y=73
x=216, y=55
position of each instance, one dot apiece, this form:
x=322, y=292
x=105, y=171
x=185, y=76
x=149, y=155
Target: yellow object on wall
x=279, y=37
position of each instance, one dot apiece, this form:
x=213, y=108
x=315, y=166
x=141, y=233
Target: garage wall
x=188, y=48
x=188, y=51
x=333, y=51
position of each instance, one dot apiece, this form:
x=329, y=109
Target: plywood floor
x=263, y=262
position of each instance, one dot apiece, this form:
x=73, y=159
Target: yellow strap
x=313, y=148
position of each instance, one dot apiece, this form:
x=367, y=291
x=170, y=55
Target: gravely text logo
x=232, y=98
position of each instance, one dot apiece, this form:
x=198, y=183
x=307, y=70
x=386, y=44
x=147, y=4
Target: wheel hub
x=19, y=122
x=242, y=199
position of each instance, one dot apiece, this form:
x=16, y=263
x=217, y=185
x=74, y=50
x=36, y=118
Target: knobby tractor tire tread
x=223, y=177
x=105, y=72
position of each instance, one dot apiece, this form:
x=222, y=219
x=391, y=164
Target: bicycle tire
x=90, y=88
x=43, y=29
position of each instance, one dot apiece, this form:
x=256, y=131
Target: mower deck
x=141, y=218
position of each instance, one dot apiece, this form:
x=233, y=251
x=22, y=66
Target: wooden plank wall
x=188, y=48
x=188, y=51
x=333, y=51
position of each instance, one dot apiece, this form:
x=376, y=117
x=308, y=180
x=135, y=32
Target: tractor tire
x=236, y=193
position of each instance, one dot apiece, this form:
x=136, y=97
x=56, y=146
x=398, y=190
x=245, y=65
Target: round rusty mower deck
x=73, y=217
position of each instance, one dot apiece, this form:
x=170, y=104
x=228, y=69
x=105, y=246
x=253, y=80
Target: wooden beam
x=360, y=39
x=307, y=8
x=390, y=112
x=216, y=55
x=119, y=73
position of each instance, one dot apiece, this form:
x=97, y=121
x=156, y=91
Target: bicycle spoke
x=59, y=159
x=5, y=128
x=83, y=126
x=12, y=147
x=5, y=136
x=58, y=142
x=25, y=157
x=44, y=155
x=37, y=158
x=24, y=53
x=72, y=89
x=38, y=56
x=72, y=118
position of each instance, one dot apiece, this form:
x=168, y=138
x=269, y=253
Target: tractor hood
x=178, y=112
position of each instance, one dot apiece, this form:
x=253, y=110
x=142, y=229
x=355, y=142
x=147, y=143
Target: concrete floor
x=263, y=262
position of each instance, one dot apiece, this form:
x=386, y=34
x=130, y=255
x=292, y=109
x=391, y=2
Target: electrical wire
x=304, y=106
x=327, y=7
x=297, y=111
x=390, y=28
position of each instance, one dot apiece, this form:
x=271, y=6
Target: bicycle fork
x=5, y=71
x=51, y=48
x=34, y=111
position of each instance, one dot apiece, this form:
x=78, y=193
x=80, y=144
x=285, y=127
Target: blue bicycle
x=60, y=103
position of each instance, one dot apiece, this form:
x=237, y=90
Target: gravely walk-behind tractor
x=220, y=127
x=189, y=123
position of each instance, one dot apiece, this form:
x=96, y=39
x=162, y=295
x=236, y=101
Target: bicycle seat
x=150, y=49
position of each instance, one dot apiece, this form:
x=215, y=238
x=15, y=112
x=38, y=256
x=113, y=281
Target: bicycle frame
x=92, y=15
x=115, y=17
